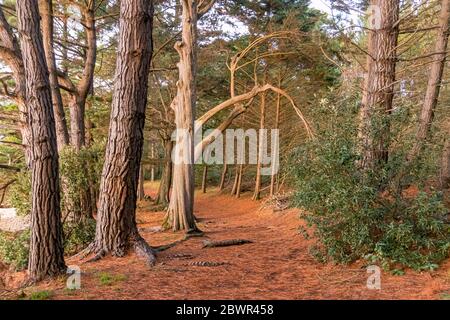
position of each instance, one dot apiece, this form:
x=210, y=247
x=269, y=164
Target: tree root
x=144, y=251
x=225, y=243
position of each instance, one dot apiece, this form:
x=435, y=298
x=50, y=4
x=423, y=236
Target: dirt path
x=276, y=266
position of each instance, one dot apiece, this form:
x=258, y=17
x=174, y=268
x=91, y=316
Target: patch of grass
x=445, y=296
x=41, y=295
x=107, y=279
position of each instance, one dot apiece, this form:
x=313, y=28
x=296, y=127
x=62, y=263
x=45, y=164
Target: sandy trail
x=277, y=265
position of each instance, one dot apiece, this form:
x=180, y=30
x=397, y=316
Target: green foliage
x=14, y=249
x=41, y=295
x=20, y=193
x=79, y=171
x=78, y=235
x=107, y=279
x=367, y=214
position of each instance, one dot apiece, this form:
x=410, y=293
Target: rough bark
x=379, y=82
x=116, y=220
x=434, y=82
x=46, y=256
x=46, y=11
x=180, y=214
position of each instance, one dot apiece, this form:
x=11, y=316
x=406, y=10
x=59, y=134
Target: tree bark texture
x=116, y=220
x=46, y=256
x=379, y=83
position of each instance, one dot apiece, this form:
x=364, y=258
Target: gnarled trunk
x=180, y=215
x=46, y=256
x=116, y=220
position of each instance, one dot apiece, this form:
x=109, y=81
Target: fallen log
x=225, y=243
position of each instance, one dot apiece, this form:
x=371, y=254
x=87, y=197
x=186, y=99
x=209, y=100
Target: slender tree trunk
x=141, y=192
x=77, y=125
x=236, y=179
x=445, y=166
x=379, y=83
x=223, y=176
x=434, y=81
x=273, y=177
x=239, y=181
x=204, y=178
x=180, y=214
x=116, y=220
x=152, y=154
x=166, y=176
x=46, y=11
x=257, y=193
x=46, y=257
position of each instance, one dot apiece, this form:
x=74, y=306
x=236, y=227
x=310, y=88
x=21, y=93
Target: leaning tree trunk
x=180, y=214
x=116, y=220
x=46, y=10
x=434, y=81
x=46, y=257
x=166, y=177
x=378, y=90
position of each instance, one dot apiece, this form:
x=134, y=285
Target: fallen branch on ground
x=225, y=243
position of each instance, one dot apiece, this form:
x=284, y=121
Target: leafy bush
x=78, y=235
x=367, y=214
x=14, y=249
x=80, y=173
x=20, y=193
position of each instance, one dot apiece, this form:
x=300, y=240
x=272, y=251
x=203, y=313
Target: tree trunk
x=46, y=11
x=46, y=256
x=236, y=179
x=239, y=181
x=434, y=81
x=77, y=126
x=141, y=192
x=166, y=176
x=180, y=214
x=379, y=84
x=223, y=176
x=204, y=178
x=152, y=154
x=116, y=220
x=257, y=193
x=273, y=177
x=445, y=166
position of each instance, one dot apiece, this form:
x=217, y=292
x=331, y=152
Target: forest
x=224, y=149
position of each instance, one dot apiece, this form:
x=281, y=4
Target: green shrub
x=14, y=249
x=78, y=235
x=20, y=193
x=367, y=215
x=41, y=295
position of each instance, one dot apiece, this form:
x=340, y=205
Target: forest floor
x=277, y=265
